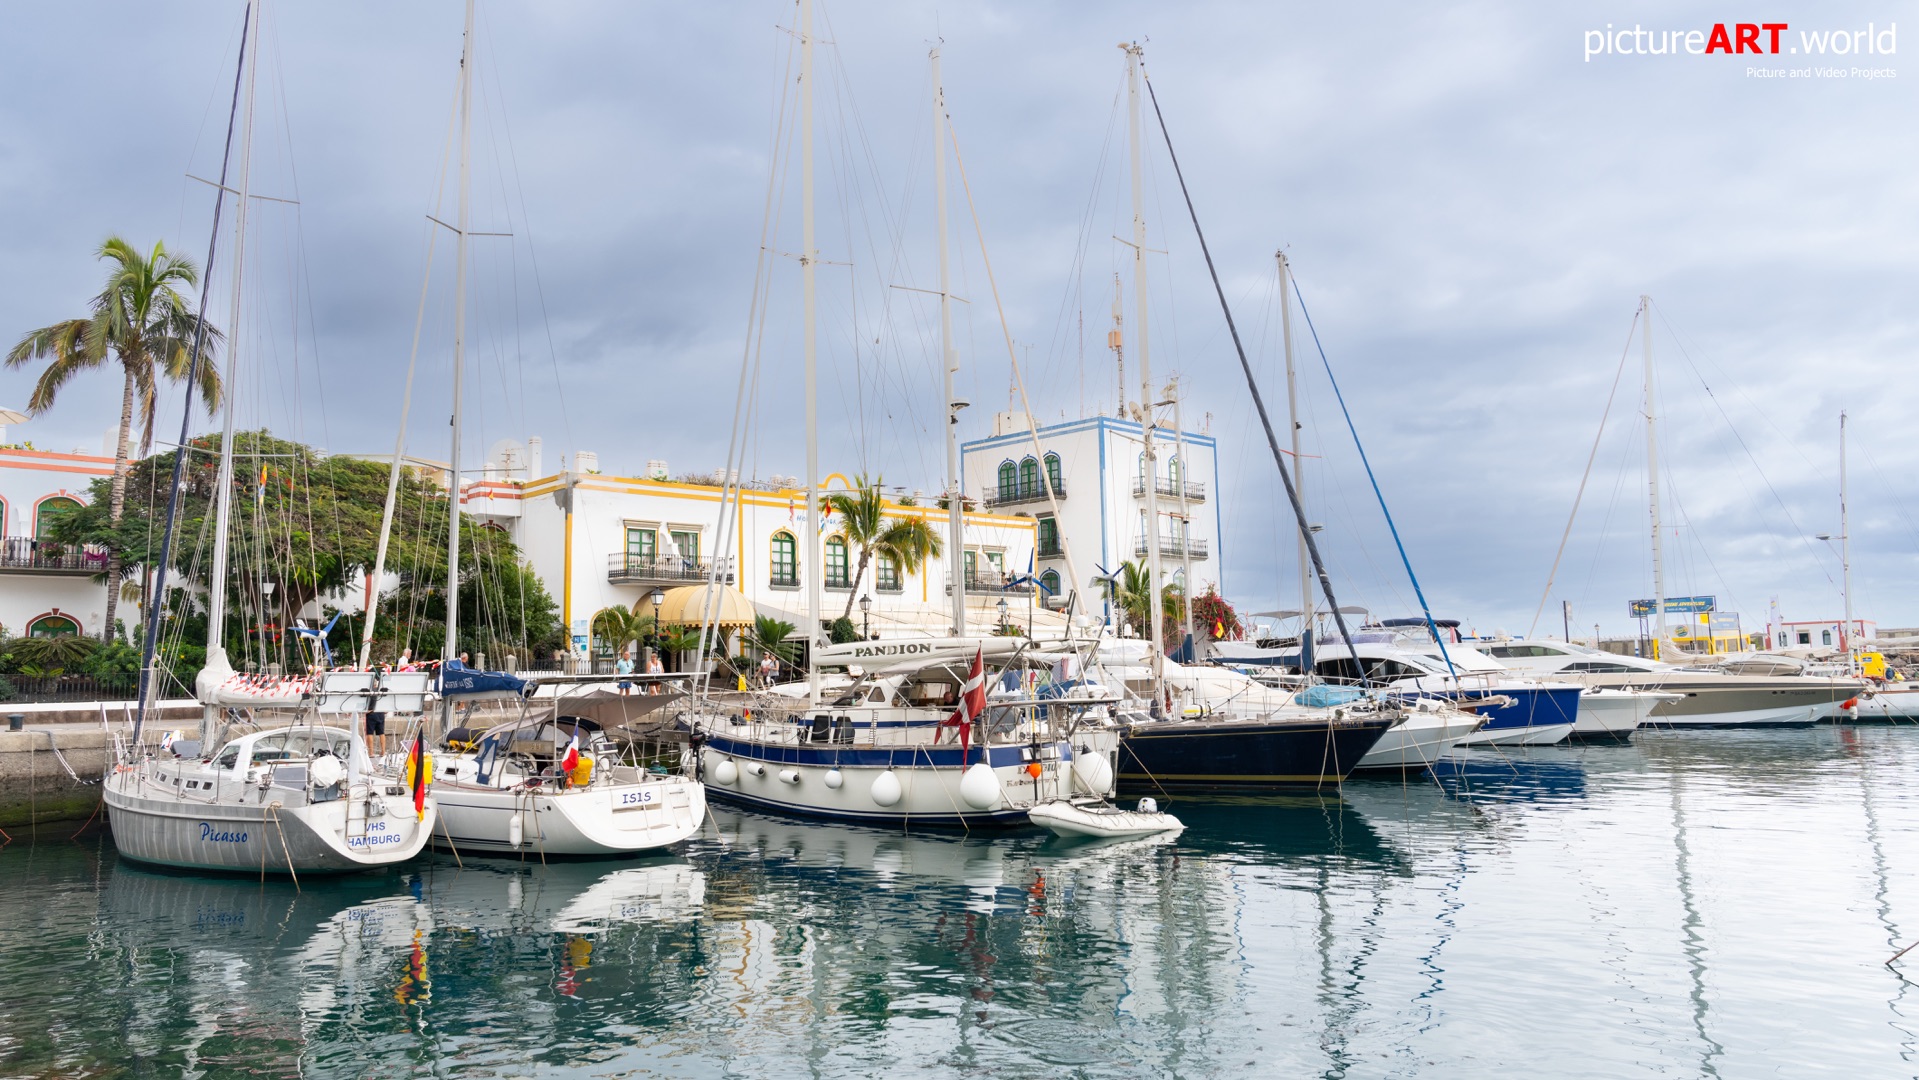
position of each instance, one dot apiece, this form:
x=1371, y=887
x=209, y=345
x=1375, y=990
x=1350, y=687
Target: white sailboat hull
x=596, y=820
x=1419, y=740
x=154, y=825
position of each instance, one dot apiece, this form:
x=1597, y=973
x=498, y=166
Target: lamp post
x=866, y=616
x=1002, y=614
x=658, y=596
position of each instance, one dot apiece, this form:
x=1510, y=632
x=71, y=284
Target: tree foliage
x=143, y=319
x=909, y=542
x=310, y=523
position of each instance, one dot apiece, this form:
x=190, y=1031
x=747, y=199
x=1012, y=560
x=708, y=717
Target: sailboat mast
x=1845, y=554
x=1299, y=471
x=1185, y=525
x=223, y=488
x=1652, y=488
x=807, y=258
x=1116, y=340
x=955, y=487
x=451, y=652
x=1148, y=464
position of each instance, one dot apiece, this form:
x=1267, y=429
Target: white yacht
x=557, y=785
x=1704, y=696
x=296, y=800
x=884, y=748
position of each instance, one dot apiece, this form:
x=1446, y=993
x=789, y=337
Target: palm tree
x=618, y=627
x=143, y=320
x=770, y=634
x=1129, y=589
x=910, y=542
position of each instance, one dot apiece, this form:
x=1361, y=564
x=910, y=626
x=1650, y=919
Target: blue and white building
x=1096, y=466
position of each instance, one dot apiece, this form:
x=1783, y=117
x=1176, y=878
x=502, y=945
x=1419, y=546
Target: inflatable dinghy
x=1103, y=819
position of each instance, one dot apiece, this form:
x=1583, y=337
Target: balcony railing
x=987, y=581
x=33, y=553
x=1173, y=545
x=1024, y=493
x=1166, y=485
x=1050, y=549
x=624, y=569
x=838, y=580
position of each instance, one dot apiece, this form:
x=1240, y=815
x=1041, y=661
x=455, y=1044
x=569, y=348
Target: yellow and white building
x=598, y=541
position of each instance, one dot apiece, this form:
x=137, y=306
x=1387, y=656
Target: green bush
x=842, y=630
x=55, y=655
x=117, y=658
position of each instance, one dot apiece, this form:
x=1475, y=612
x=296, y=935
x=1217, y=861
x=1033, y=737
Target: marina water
x=1698, y=904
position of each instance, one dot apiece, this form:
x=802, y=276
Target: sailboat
x=914, y=735
x=534, y=782
x=295, y=799
x=1228, y=732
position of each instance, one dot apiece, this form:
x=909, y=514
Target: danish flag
x=972, y=703
x=571, y=760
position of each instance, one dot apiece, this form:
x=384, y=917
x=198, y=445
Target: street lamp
x=1002, y=614
x=658, y=596
x=866, y=616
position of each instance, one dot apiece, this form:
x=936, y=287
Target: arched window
x=886, y=573
x=836, y=571
x=1029, y=477
x=1052, y=472
x=1008, y=481
x=53, y=624
x=1173, y=467
x=1049, y=582
x=783, y=560
x=1140, y=473
x=1048, y=538
x=49, y=511
x=3, y=517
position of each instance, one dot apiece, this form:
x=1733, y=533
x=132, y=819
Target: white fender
x=886, y=789
x=726, y=772
x=834, y=779
x=789, y=776
x=1091, y=772
x=515, y=830
x=980, y=787
x=754, y=768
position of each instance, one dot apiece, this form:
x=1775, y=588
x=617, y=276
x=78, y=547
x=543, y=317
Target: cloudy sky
x=1471, y=206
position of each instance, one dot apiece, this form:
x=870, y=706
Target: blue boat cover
x=1322, y=696
x=458, y=680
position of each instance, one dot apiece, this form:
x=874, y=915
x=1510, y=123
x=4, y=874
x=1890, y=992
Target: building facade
x=46, y=587
x=600, y=541
x=1096, y=467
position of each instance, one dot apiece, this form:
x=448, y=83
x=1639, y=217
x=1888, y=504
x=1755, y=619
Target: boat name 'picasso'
x=220, y=836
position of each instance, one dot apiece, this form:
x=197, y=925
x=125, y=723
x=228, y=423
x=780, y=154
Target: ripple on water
x=1696, y=902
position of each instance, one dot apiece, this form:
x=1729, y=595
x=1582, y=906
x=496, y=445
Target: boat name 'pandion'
x=907, y=648
x=220, y=836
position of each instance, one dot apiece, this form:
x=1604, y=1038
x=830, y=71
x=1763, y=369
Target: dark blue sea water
x=1699, y=904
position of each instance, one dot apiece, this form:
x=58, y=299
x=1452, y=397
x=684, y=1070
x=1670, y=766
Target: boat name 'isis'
x=220, y=836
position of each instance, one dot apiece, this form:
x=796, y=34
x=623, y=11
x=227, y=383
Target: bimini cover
x=459, y=681
x=1323, y=696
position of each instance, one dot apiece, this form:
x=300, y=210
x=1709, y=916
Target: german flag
x=416, y=771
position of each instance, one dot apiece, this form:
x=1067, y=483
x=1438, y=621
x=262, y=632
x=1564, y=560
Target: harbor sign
x=1688, y=605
